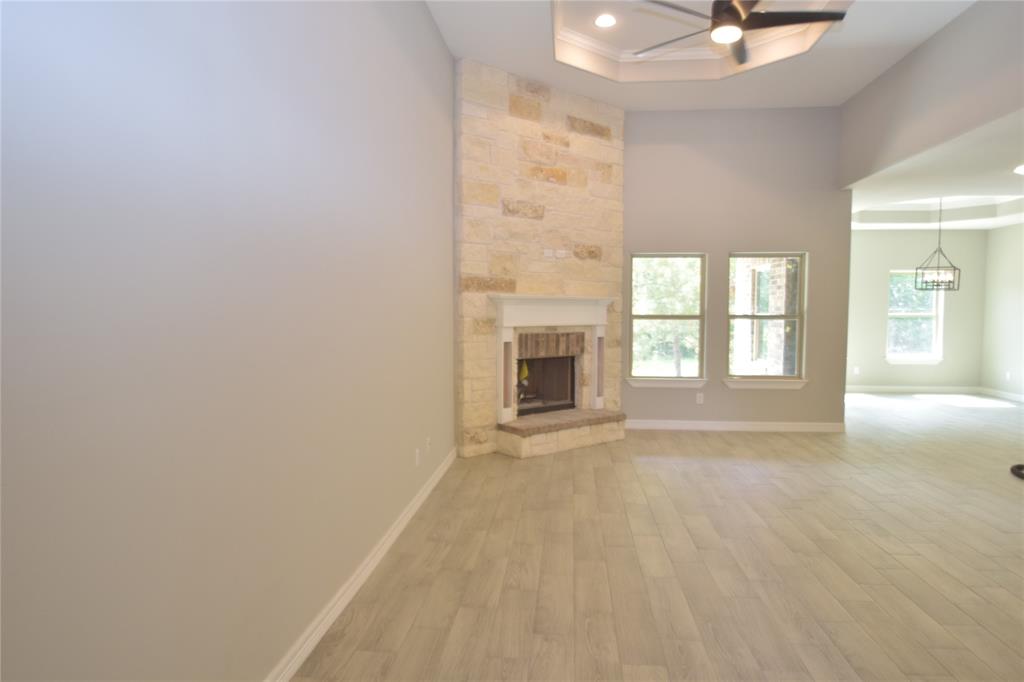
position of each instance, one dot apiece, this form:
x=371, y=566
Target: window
x=667, y=317
x=914, y=331
x=766, y=315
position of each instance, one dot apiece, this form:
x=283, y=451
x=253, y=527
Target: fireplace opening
x=545, y=384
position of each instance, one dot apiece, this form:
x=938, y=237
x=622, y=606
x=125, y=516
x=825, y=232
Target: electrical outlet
x=700, y=398
x=1007, y=375
x=417, y=456
x=856, y=371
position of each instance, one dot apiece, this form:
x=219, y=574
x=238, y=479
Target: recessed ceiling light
x=726, y=34
x=604, y=21
x=1019, y=170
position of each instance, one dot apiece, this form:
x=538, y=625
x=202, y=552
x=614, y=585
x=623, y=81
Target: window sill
x=666, y=383
x=762, y=384
x=913, y=361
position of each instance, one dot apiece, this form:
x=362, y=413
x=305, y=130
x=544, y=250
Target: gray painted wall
x=874, y=253
x=1003, y=342
x=721, y=181
x=207, y=421
x=969, y=73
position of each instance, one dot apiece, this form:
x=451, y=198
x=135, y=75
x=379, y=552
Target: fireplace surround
x=563, y=335
x=547, y=327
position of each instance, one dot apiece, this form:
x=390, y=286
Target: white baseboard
x=289, y=665
x=1005, y=395
x=687, y=425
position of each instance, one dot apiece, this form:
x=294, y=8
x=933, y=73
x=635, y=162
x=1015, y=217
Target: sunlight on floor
x=902, y=401
x=871, y=399
x=960, y=400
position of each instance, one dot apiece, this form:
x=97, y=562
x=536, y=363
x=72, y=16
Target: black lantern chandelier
x=937, y=271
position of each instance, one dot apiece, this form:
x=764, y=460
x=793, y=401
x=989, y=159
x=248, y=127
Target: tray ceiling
x=519, y=37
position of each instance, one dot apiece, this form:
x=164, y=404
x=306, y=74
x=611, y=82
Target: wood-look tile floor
x=894, y=551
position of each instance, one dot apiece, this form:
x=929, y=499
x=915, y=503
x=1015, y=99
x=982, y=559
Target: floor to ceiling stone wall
x=539, y=211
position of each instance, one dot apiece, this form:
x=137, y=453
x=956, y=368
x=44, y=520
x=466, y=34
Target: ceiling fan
x=730, y=19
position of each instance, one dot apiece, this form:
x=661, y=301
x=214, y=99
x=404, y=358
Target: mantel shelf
x=551, y=300
x=524, y=310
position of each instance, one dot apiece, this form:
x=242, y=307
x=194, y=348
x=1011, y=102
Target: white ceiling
x=639, y=24
x=517, y=37
x=979, y=163
x=958, y=213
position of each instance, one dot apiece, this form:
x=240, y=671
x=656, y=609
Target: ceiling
x=973, y=170
x=958, y=213
x=518, y=37
x=611, y=52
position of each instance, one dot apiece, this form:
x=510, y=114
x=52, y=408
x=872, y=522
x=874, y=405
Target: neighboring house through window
x=766, y=315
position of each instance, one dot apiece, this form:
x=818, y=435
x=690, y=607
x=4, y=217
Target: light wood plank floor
x=894, y=551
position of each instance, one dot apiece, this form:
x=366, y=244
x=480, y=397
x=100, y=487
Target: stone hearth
x=544, y=434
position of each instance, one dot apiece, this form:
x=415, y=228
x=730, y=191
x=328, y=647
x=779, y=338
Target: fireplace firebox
x=545, y=384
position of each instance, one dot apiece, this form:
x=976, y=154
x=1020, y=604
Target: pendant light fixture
x=937, y=272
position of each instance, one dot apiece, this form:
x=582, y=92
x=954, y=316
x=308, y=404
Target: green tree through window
x=914, y=331
x=668, y=316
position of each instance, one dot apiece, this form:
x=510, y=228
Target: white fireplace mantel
x=522, y=310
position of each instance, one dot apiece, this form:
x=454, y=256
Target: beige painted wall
x=1003, y=340
x=874, y=253
x=227, y=321
x=969, y=73
x=539, y=173
x=721, y=181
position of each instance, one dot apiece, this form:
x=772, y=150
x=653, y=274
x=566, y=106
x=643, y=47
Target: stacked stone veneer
x=539, y=211
x=556, y=441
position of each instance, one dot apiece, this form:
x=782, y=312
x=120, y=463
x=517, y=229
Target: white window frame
x=671, y=382
x=772, y=380
x=933, y=358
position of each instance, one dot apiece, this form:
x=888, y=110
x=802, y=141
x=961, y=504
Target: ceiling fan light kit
x=726, y=34
x=731, y=19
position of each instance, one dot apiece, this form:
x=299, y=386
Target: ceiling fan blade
x=739, y=51
x=744, y=7
x=757, y=20
x=641, y=53
x=679, y=8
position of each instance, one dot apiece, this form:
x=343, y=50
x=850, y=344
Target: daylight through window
x=766, y=315
x=667, y=316
x=914, y=330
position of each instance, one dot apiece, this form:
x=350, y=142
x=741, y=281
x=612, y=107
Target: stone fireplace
x=538, y=254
